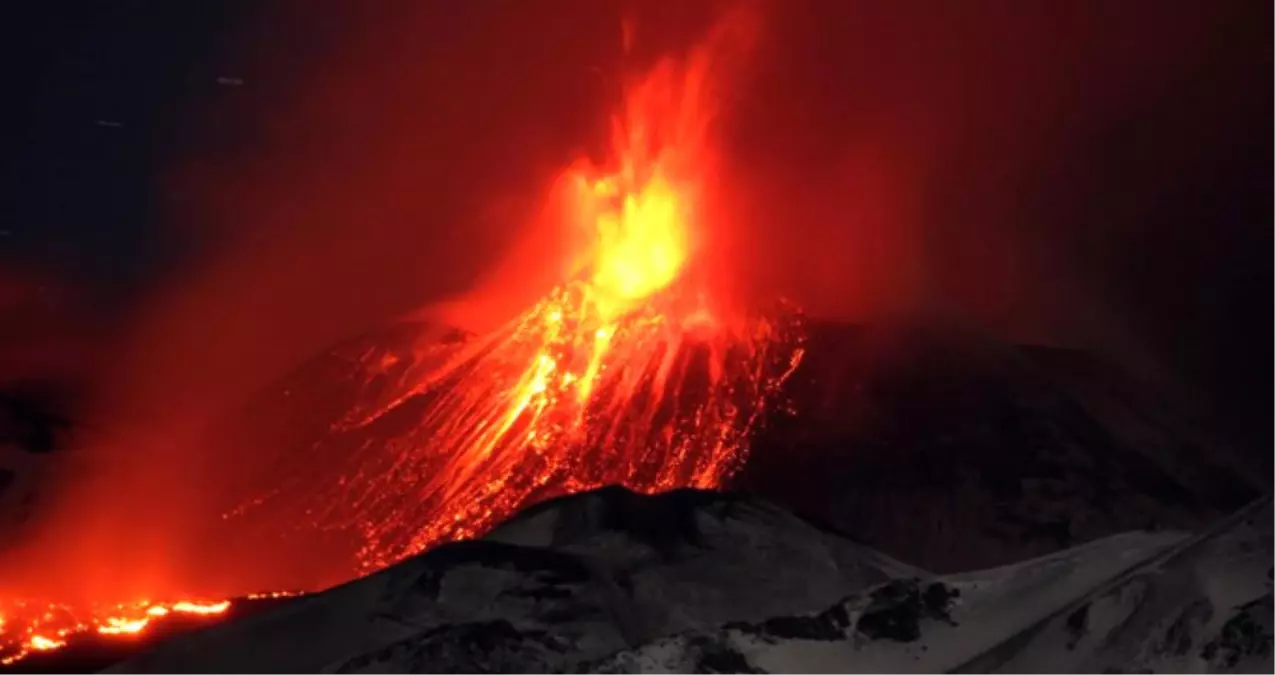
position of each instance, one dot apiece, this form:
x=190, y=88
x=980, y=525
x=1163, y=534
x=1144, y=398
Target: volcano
x=634, y=370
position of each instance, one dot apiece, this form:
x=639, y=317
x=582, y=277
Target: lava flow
x=29, y=627
x=32, y=626
x=630, y=372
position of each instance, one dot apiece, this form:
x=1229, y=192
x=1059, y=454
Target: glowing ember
x=41, y=643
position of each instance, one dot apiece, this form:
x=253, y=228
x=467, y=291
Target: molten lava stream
x=628, y=373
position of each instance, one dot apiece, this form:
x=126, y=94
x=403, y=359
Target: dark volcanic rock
x=1246, y=636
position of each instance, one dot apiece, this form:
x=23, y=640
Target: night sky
x=269, y=178
x=97, y=91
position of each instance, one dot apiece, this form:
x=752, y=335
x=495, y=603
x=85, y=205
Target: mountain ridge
x=751, y=588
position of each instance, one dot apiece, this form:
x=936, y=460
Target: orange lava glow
x=30, y=627
x=629, y=372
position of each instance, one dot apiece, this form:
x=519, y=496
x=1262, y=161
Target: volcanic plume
x=630, y=372
x=634, y=370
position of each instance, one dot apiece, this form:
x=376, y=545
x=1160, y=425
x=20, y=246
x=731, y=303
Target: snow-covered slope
x=568, y=581
x=1139, y=602
x=690, y=581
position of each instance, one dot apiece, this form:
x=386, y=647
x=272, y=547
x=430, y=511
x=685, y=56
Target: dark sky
x=1088, y=173
x=80, y=191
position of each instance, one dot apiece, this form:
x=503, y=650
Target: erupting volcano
x=629, y=372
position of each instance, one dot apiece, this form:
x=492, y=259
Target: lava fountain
x=630, y=372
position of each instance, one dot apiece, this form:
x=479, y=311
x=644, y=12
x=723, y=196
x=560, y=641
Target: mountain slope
x=572, y=579
x=688, y=581
x=1131, y=603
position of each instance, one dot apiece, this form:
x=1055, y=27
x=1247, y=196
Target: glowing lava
x=627, y=373
x=30, y=627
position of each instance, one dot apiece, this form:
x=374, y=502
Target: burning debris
x=629, y=373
